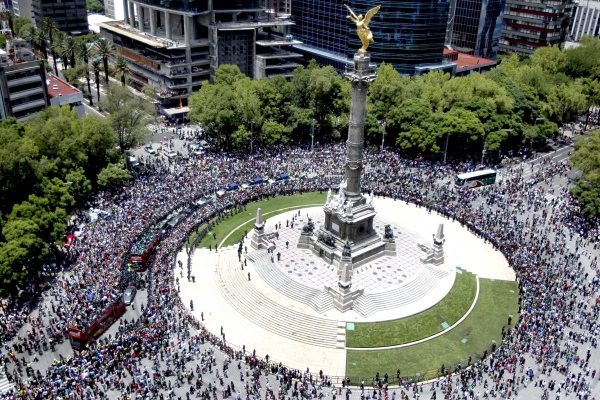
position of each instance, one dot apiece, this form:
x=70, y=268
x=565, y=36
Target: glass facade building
x=407, y=34
x=531, y=24
x=475, y=26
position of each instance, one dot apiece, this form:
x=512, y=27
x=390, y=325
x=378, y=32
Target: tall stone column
x=187, y=31
x=140, y=17
x=360, y=79
x=168, y=33
x=131, y=14
x=152, y=21
x=126, y=12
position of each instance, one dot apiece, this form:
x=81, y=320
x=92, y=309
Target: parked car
x=149, y=149
x=78, y=231
x=129, y=294
x=69, y=241
x=169, y=153
x=133, y=162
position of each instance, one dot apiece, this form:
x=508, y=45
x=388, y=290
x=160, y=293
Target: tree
x=96, y=68
x=105, y=50
x=584, y=60
x=271, y=132
x=98, y=142
x=94, y=6
x=585, y=158
x=18, y=164
x=215, y=106
x=78, y=182
x=550, y=59
x=57, y=46
x=565, y=101
x=69, y=50
x=58, y=193
x=74, y=75
x=386, y=91
x=18, y=23
x=35, y=36
x=85, y=51
x=121, y=69
x=129, y=115
x=588, y=195
x=50, y=222
x=113, y=177
x=50, y=28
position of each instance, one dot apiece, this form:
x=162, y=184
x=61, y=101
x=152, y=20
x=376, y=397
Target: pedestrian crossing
x=5, y=385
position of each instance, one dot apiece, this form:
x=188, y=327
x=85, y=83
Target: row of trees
x=522, y=102
x=51, y=164
x=84, y=56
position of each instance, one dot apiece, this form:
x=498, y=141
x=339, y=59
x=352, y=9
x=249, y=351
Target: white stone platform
x=254, y=314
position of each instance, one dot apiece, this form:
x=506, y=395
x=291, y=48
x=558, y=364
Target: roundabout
x=271, y=305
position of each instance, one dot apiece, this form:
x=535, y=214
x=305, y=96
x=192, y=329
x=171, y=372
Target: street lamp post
x=252, y=136
x=483, y=153
x=446, y=147
x=312, y=135
x=534, y=125
x=500, y=147
x=383, y=125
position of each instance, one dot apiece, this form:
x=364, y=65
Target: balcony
x=29, y=105
x=184, y=6
x=22, y=81
x=25, y=93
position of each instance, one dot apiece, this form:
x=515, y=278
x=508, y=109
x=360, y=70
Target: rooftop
x=57, y=87
x=126, y=30
x=466, y=61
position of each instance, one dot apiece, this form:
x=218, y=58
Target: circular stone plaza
x=279, y=300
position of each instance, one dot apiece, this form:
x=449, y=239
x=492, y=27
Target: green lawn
x=419, y=326
x=270, y=208
x=497, y=300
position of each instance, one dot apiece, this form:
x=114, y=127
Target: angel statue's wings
x=370, y=14
x=351, y=12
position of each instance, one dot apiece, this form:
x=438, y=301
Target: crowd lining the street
x=167, y=353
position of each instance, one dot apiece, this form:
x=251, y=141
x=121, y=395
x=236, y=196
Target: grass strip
x=476, y=334
x=415, y=327
x=230, y=224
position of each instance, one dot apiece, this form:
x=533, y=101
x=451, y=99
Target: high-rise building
x=585, y=21
x=71, y=15
x=474, y=27
x=22, y=8
x=114, y=9
x=409, y=35
x=175, y=45
x=23, y=89
x=531, y=24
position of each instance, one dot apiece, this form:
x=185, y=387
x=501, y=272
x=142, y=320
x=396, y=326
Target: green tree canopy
x=129, y=116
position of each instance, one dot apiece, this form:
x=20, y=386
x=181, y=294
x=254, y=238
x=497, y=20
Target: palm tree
x=85, y=52
x=35, y=36
x=50, y=28
x=57, y=46
x=96, y=67
x=121, y=69
x=105, y=50
x=69, y=47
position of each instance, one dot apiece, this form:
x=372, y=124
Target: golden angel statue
x=362, y=26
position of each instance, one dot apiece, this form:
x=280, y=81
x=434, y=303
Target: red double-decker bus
x=79, y=337
x=142, y=250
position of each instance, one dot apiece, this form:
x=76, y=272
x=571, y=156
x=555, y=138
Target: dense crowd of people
x=166, y=351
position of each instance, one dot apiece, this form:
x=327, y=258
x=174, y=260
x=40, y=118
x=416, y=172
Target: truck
x=80, y=336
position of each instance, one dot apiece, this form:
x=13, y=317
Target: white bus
x=476, y=178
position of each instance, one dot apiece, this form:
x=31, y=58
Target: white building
x=585, y=20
